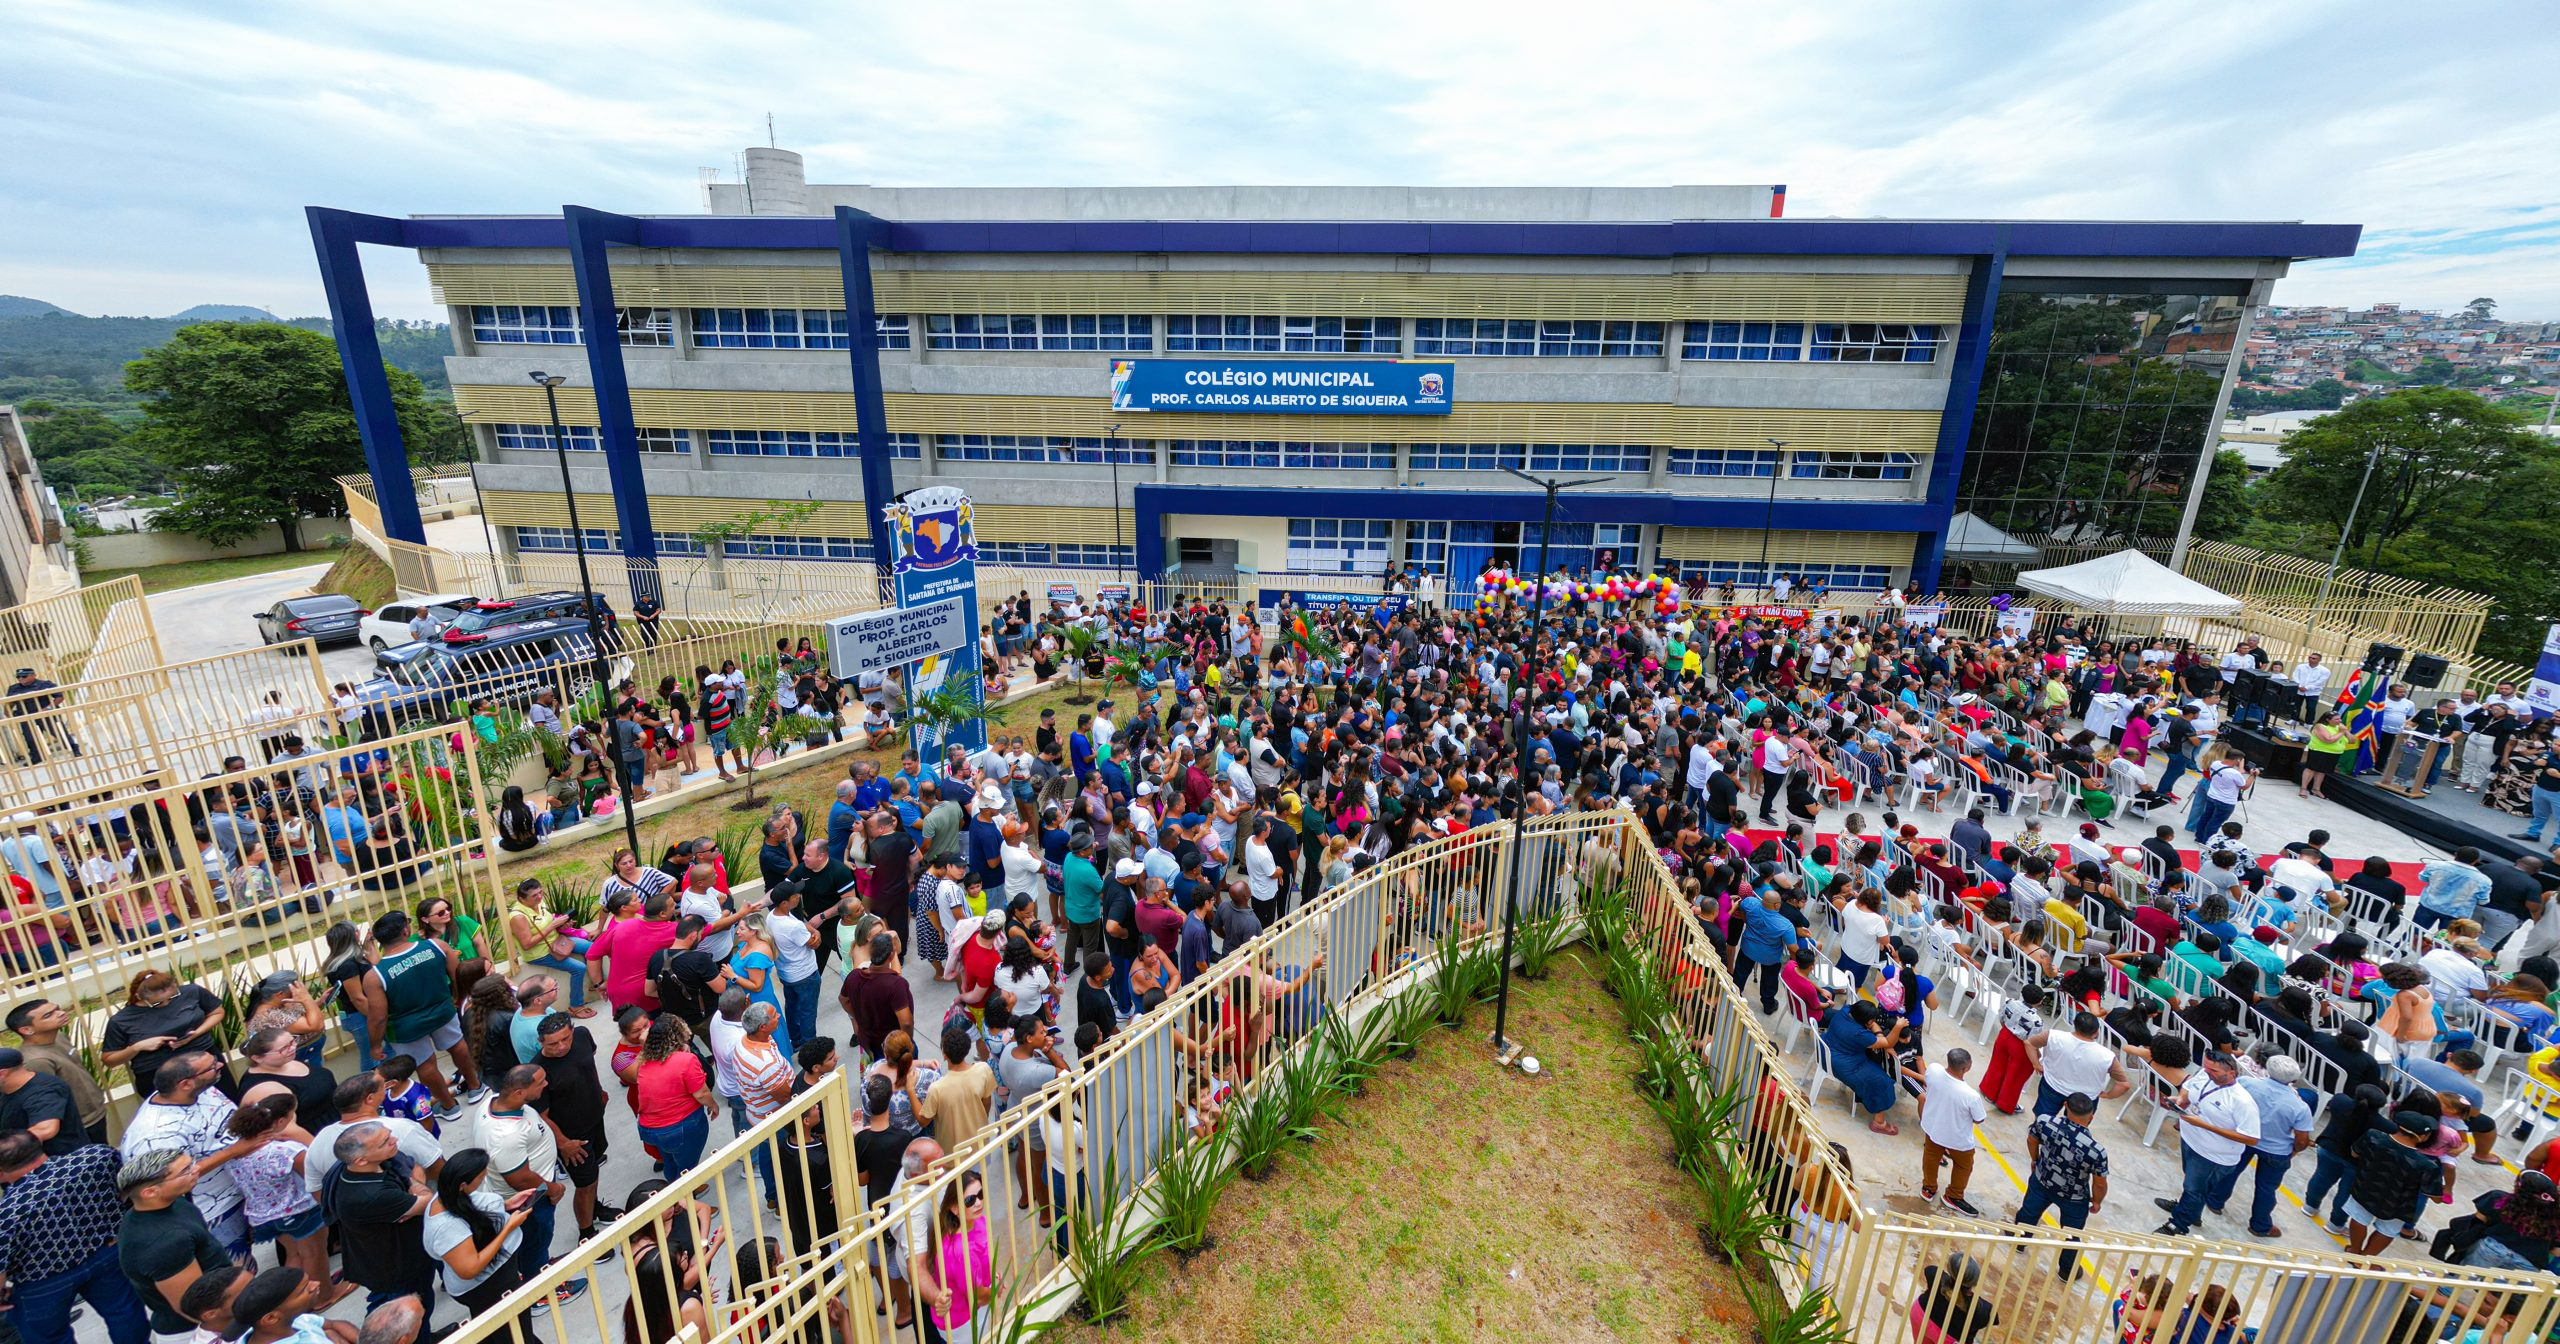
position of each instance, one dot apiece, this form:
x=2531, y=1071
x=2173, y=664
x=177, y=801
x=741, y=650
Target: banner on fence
x=2544, y=691
x=1924, y=615
x=2019, y=621
x=1063, y=593
x=934, y=544
x=1379, y=605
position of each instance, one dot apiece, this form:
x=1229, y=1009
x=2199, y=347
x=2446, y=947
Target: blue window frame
x=530, y=538
x=1276, y=454
x=1043, y=331
x=1284, y=334
x=1748, y=342
x=1838, y=466
x=1042, y=448
x=587, y=439
x=895, y=332
x=1875, y=342
x=1541, y=337
x=803, y=443
x=786, y=546
x=1339, y=545
x=524, y=324
x=770, y=329
x=1465, y=456
x=1633, y=459
x=1723, y=462
x=1071, y=554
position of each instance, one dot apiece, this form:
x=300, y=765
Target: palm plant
x=740, y=842
x=1127, y=665
x=1409, y=1015
x=1305, y=1080
x=936, y=714
x=1103, y=1253
x=1309, y=641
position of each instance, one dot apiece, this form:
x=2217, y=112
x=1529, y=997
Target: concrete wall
x=781, y=188
x=136, y=550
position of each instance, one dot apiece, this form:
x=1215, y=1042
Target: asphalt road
x=220, y=617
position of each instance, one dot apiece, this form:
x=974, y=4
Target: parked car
x=322, y=618
x=487, y=615
x=389, y=627
x=433, y=682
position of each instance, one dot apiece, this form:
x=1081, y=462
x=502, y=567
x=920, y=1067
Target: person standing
x=878, y=999
x=59, y=1219
x=2284, y=1129
x=40, y=1024
x=2079, y=1062
x=409, y=1010
x=43, y=1106
x=377, y=1200
x=523, y=1145
x=2222, y=788
x=2217, y=1126
x=2394, y=1178
x=2066, y=1169
x=1949, y=1110
x=163, y=1244
x=1083, y=904
x=186, y=1114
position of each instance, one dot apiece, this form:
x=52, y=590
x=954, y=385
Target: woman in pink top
x=961, y=1265
x=632, y=932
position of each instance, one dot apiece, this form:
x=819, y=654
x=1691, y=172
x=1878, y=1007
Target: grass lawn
x=1463, y=1202
x=189, y=573
x=810, y=790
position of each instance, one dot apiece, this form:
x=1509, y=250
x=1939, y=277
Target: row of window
x=1339, y=545
x=755, y=546
x=1473, y=337
x=1082, y=554
x=1830, y=342
x=1751, y=574
x=803, y=443
x=1623, y=459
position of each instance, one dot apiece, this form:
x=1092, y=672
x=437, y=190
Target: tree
x=2224, y=514
x=252, y=423
x=2481, y=310
x=2451, y=463
x=85, y=449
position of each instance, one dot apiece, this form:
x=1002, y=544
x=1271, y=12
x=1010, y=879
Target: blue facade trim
x=1964, y=391
x=1154, y=501
x=334, y=235
x=590, y=234
x=856, y=233
x=1777, y=237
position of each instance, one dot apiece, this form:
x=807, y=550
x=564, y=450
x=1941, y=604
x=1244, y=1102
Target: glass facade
x=2096, y=410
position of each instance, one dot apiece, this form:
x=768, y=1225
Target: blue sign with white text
x=1285, y=386
x=934, y=558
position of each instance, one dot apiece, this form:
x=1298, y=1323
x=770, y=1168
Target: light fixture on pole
x=1769, y=520
x=603, y=671
x=1520, y=816
x=1111, y=454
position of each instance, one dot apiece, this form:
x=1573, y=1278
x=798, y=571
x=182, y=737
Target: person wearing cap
x=2217, y=1126
x=2284, y=1130
x=29, y=695
x=60, y=1215
x=2394, y=1178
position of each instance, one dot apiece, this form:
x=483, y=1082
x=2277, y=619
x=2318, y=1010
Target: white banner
x=877, y=641
x=2017, y=621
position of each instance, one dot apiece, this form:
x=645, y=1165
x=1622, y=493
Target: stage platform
x=2446, y=817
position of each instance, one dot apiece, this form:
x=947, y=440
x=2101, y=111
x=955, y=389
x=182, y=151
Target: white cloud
x=165, y=150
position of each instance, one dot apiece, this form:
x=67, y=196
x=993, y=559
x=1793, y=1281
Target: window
x=1465, y=456
x=646, y=326
x=1053, y=331
x=1268, y=453
x=1338, y=545
x=1546, y=337
x=557, y=539
x=1426, y=547
x=586, y=438
x=1038, y=448
x=1875, y=342
x=526, y=324
x=803, y=443
x=1627, y=539
x=770, y=329
x=1746, y=341
x=1724, y=462
x=1825, y=466
x=894, y=333
x=1085, y=555
x=779, y=546
x=1285, y=335
x=1628, y=459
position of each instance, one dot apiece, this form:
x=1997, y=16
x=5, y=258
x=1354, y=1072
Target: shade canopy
x=2128, y=583
x=1969, y=536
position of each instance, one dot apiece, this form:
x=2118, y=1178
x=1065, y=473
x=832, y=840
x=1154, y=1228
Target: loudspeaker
x=2427, y=670
x=2384, y=658
x=2278, y=695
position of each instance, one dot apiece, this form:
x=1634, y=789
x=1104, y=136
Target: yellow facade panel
x=1695, y=296
x=667, y=513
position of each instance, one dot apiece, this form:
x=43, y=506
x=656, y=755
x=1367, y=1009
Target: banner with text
x=1285, y=386
x=877, y=641
x=2544, y=690
x=934, y=560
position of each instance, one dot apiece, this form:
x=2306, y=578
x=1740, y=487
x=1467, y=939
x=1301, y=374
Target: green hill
x=12, y=305
x=224, y=312
x=47, y=354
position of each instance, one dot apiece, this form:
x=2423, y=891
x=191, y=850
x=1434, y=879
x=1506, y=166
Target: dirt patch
x=1458, y=1201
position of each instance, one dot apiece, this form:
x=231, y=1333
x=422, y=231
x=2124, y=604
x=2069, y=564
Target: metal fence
x=1089, y=1150
x=165, y=872
x=169, y=722
x=102, y=630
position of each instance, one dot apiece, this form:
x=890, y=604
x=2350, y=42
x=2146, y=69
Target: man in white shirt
x=2217, y=1126
x=1261, y=874
x=795, y=961
x=186, y=1113
x=359, y=1103
x=524, y=1152
x=1950, y=1107
x=2311, y=681
x=2076, y=1062
x=700, y=897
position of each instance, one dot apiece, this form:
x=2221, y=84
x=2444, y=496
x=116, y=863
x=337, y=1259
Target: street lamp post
x=1520, y=817
x=550, y=383
x=1769, y=519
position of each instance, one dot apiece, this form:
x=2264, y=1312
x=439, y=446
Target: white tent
x=2128, y=583
x=1969, y=536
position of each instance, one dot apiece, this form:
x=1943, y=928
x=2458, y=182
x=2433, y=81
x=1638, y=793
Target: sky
x=163, y=152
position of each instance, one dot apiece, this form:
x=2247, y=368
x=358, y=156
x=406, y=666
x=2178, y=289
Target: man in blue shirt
x=2451, y=889
x=843, y=816
x=1196, y=954
x=1768, y=936
x=869, y=790
x=346, y=826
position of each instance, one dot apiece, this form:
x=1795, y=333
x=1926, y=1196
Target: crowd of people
x=1062, y=884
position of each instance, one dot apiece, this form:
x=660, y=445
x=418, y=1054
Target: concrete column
x=334, y=235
